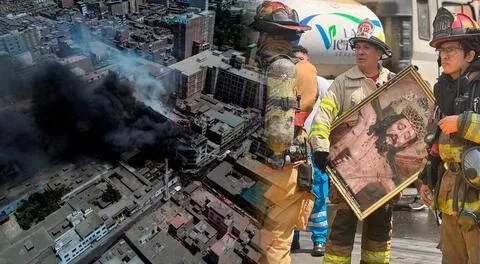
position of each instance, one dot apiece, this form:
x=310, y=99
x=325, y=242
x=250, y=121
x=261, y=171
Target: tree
x=111, y=194
x=37, y=207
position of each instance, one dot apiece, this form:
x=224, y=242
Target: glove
x=320, y=159
x=449, y=124
x=425, y=194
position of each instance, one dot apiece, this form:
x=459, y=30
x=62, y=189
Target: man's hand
x=449, y=124
x=425, y=194
x=320, y=160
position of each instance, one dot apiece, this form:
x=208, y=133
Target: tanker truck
x=407, y=25
x=333, y=23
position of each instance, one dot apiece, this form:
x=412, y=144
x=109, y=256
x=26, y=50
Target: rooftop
x=162, y=248
x=202, y=197
x=203, y=229
x=72, y=59
x=27, y=249
x=223, y=245
x=88, y=225
x=216, y=59
x=220, y=208
x=193, y=64
x=55, y=225
x=17, y=23
x=230, y=119
x=120, y=253
x=85, y=198
x=221, y=176
x=67, y=241
x=221, y=128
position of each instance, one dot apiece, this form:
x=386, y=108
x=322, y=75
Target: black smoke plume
x=69, y=118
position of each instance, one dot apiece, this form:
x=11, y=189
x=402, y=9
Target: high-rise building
x=133, y=5
x=190, y=27
x=12, y=43
x=190, y=74
x=239, y=85
x=17, y=44
x=223, y=75
x=118, y=8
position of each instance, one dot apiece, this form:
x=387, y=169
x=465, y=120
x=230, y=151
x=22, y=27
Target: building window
x=423, y=20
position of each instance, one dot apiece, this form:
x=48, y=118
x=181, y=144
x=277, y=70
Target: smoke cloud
x=69, y=118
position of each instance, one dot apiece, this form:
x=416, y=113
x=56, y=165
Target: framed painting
x=377, y=147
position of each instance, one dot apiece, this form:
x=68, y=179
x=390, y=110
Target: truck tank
x=333, y=23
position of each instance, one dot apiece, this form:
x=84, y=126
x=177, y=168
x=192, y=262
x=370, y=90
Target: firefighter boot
x=318, y=249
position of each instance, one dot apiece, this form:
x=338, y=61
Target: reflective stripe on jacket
x=451, y=146
x=450, y=150
x=445, y=195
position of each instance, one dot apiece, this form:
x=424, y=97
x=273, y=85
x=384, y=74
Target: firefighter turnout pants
x=458, y=246
x=289, y=211
x=376, y=236
x=459, y=235
x=317, y=222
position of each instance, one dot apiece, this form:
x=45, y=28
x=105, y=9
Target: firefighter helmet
x=452, y=27
x=471, y=166
x=368, y=32
x=277, y=18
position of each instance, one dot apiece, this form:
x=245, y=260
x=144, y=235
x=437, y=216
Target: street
x=415, y=237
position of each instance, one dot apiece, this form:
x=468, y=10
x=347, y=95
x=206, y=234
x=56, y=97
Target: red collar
x=374, y=77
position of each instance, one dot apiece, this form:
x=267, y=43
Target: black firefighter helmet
x=452, y=27
x=277, y=18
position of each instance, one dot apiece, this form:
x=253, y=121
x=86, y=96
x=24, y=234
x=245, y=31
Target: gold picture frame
x=377, y=146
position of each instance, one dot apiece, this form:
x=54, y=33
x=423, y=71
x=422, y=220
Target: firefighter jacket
x=306, y=85
x=346, y=91
x=452, y=146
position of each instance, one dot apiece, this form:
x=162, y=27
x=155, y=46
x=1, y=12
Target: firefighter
x=287, y=106
x=346, y=91
x=456, y=38
x=317, y=222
